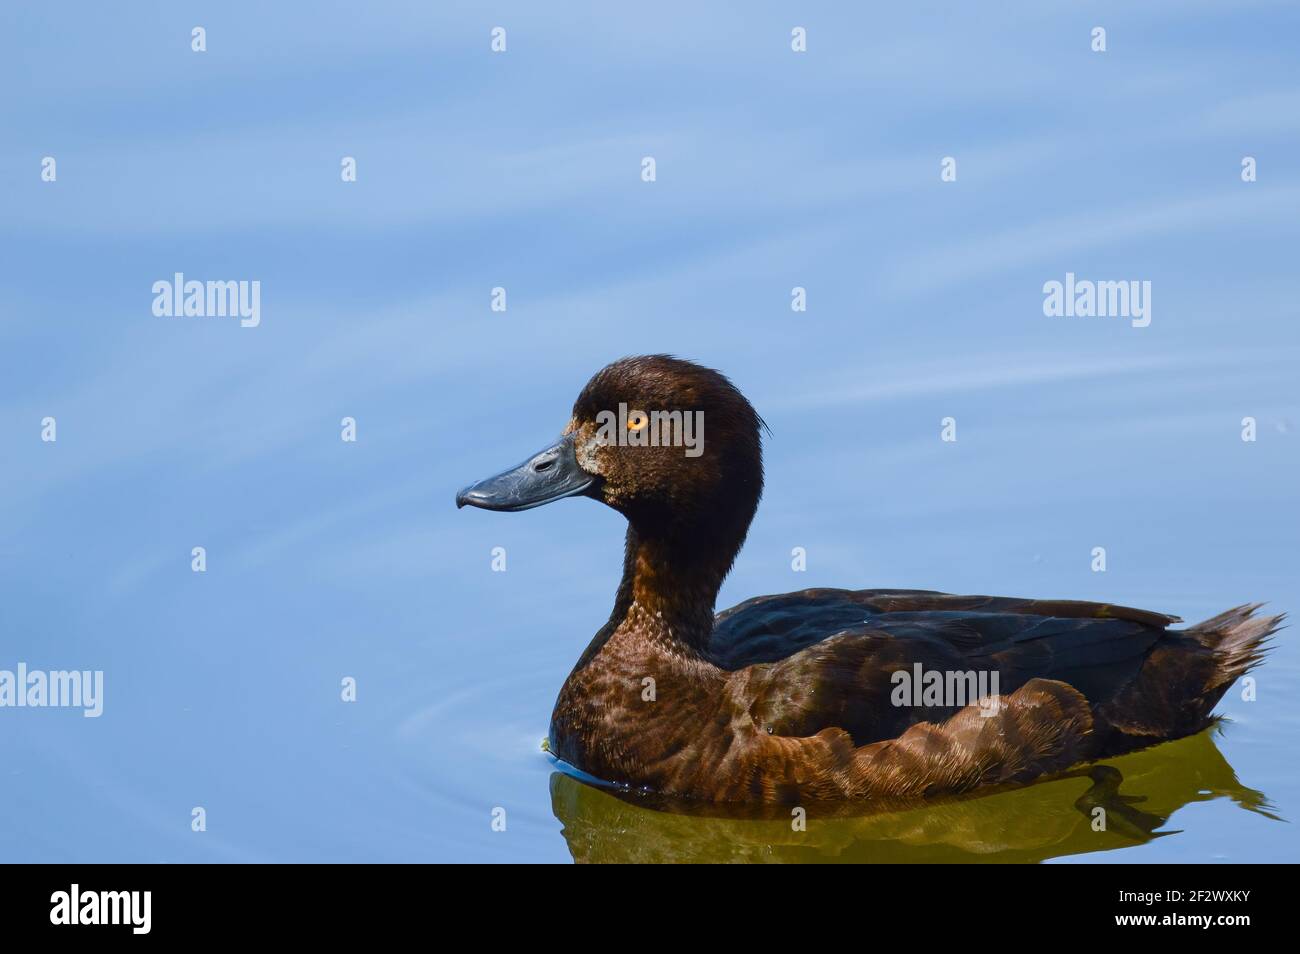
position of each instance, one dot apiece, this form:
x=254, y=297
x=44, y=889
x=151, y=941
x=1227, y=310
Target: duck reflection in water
x=1120, y=803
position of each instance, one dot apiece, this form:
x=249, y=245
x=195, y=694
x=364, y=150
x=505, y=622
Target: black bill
x=546, y=476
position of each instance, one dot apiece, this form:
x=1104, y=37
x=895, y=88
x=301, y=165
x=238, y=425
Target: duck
x=797, y=698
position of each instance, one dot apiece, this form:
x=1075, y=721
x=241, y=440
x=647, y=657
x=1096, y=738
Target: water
x=329, y=560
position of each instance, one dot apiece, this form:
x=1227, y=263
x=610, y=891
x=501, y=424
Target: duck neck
x=673, y=578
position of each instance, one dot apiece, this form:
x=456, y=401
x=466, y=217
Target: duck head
x=672, y=446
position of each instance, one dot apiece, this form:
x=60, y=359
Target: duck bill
x=549, y=475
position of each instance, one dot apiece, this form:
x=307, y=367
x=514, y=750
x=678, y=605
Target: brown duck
x=804, y=696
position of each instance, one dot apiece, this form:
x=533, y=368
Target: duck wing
x=770, y=628
x=812, y=676
x=827, y=658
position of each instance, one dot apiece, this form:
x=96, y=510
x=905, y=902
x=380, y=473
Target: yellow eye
x=637, y=420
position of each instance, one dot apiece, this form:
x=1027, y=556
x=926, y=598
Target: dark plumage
x=792, y=697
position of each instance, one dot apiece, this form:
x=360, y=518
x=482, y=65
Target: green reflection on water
x=1138, y=793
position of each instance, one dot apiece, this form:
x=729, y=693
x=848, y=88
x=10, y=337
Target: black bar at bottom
x=339, y=901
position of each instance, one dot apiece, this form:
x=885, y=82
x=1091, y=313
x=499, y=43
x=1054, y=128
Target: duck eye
x=637, y=420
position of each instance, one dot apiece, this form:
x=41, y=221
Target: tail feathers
x=1239, y=640
x=1184, y=677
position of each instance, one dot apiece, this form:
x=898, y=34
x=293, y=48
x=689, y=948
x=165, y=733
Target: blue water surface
x=522, y=170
